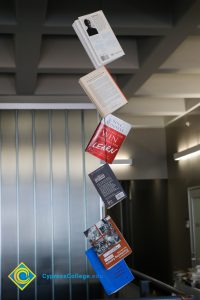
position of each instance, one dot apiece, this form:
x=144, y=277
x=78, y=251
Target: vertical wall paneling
x=25, y=201
x=17, y=186
x=60, y=203
x=51, y=201
x=43, y=198
x=0, y=213
x=77, y=205
x=34, y=202
x=84, y=195
x=68, y=201
x=92, y=203
x=47, y=201
x=8, y=203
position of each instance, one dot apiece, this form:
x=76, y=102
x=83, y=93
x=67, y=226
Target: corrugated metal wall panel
x=47, y=200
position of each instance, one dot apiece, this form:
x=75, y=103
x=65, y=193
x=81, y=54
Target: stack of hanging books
x=109, y=247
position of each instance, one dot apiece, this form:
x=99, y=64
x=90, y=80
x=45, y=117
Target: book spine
x=109, y=74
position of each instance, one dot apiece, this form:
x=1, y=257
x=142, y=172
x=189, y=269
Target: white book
x=103, y=91
x=97, y=38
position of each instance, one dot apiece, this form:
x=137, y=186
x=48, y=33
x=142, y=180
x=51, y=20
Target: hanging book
x=108, y=138
x=98, y=39
x=115, y=278
x=103, y=91
x=107, y=185
x=108, y=242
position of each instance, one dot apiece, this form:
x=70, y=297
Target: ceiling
x=41, y=59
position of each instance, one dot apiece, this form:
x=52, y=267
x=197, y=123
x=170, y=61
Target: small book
x=98, y=39
x=103, y=91
x=114, y=279
x=107, y=185
x=108, y=242
x=108, y=138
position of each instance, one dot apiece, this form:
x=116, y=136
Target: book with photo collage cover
x=108, y=242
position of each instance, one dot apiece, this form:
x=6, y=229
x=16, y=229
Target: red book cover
x=108, y=138
x=108, y=242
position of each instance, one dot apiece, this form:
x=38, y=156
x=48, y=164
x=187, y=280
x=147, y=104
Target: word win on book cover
x=108, y=242
x=108, y=138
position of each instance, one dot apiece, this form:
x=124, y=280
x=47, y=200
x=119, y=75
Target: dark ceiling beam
x=7, y=70
x=44, y=99
x=80, y=71
x=5, y=28
x=30, y=18
x=156, y=50
x=119, y=31
x=126, y=23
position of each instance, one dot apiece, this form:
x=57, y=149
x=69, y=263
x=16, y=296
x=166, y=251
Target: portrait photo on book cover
x=90, y=29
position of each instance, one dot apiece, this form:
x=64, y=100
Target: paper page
x=103, y=91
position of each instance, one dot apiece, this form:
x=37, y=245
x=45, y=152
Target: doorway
x=194, y=217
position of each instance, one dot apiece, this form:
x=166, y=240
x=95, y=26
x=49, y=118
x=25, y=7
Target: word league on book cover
x=107, y=185
x=108, y=242
x=98, y=38
x=108, y=138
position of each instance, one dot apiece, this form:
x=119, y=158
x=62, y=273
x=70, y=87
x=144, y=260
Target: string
x=104, y=133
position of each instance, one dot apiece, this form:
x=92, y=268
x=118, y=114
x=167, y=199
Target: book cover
x=98, y=38
x=113, y=279
x=108, y=242
x=103, y=91
x=107, y=185
x=108, y=138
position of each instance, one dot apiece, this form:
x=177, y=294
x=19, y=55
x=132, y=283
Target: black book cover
x=107, y=185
